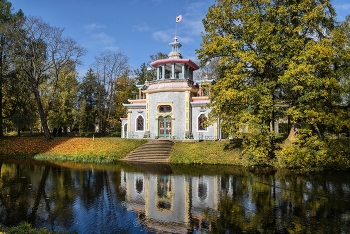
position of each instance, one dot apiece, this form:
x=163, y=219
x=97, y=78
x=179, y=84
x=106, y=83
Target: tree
x=125, y=88
x=274, y=57
x=63, y=110
x=158, y=56
x=146, y=71
x=345, y=27
x=42, y=53
x=88, y=95
x=143, y=74
x=19, y=106
x=208, y=71
x=109, y=67
x=8, y=20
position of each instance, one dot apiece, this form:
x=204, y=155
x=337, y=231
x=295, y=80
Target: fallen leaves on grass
x=67, y=146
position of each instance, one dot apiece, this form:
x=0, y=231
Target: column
x=158, y=73
x=147, y=112
x=173, y=71
x=183, y=71
x=129, y=123
x=163, y=72
x=188, y=133
x=188, y=72
x=147, y=122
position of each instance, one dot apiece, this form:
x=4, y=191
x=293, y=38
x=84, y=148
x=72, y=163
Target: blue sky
x=139, y=28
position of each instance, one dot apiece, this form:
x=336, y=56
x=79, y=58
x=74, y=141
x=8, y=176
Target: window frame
x=137, y=123
x=199, y=123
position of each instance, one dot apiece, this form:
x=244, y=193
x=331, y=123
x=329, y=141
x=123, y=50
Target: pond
x=141, y=198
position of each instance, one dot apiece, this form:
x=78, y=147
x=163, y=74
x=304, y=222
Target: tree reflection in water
x=123, y=198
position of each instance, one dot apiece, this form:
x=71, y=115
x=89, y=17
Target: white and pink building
x=172, y=105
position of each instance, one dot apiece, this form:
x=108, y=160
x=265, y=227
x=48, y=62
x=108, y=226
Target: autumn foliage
x=68, y=149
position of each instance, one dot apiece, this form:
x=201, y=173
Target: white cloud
x=102, y=39
x=94, y=26
x=195, y=9
x=164, y=36
x=185, y=40
x=192, y=27
x=342, y=10
x=189, y=27
x=344, y=7
x=142, y=28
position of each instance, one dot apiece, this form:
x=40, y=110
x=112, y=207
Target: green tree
x=63, y=111
x=88, y=95
x=8, y=20
x=158, y=56
x=345, y=27
x=125, y=88
x=274, y=57
x=143, y=74
x=20, y=106
x=42, y=53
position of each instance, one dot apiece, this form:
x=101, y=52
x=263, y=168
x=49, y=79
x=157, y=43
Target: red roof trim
x=175, y=60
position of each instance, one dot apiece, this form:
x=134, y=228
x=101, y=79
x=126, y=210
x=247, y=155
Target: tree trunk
x=1, y=125
x=318, y=131
x=294, y=130
x=42, y=115
x=1, y=81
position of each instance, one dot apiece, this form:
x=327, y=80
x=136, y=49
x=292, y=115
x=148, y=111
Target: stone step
x=154, y=151
x=154, y=148
x=145, y=157
x=149, y=152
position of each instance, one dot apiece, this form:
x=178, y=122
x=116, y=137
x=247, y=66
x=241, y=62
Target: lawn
x=73, y=149
x=207, y=152
x=111, y=149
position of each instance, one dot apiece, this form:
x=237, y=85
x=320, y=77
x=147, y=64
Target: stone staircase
x=154, y=151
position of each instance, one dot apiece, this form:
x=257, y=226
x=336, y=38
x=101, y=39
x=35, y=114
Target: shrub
x=258, y=147
x=310, y=152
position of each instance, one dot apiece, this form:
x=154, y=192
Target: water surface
x=124, y=198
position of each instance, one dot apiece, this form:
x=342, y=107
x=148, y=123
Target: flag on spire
x=178, y=18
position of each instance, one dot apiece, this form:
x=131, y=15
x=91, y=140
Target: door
x=164, y=127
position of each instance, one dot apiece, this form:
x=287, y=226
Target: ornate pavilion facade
x=172, y=105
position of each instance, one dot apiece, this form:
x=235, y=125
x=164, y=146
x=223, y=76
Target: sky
x=138, y=28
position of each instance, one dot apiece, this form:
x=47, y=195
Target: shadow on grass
x=26, y=147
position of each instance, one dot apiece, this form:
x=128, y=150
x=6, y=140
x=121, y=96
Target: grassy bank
x=109, y=149
x=72, y=149
x=335, y=153
x=207, y=152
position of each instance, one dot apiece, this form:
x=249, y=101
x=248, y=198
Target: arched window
x=139, y=123
x=201, y=122
x=139, y=185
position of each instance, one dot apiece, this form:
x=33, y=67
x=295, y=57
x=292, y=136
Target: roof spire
x=175, y=51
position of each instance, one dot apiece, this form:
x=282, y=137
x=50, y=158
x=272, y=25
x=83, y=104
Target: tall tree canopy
x=109, y=67
x=345, y=27
x=8, y=21
x=87, y=102
x=42, y=53
x=276, y=59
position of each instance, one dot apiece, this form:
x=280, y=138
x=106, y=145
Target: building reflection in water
x=172, y=203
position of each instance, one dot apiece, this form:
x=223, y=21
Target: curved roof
x=175, y=60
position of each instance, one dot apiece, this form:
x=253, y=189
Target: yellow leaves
x=72, y=147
